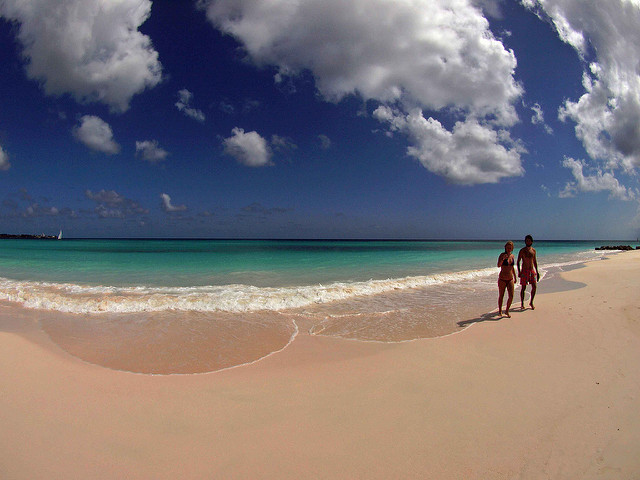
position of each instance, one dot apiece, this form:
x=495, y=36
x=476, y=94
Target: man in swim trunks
x=529, y=272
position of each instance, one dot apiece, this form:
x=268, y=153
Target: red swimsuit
x=528, y=276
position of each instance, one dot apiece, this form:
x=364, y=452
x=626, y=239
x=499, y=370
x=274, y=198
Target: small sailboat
x=60, y=235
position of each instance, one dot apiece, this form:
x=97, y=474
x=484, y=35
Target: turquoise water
x=186, y=306
x=129, y=276
x=188, y=263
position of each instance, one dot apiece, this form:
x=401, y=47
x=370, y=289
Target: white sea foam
x=74, y=298
x=83, y=299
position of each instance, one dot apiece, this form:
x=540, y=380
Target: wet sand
x=550, y=393
x=178, y=342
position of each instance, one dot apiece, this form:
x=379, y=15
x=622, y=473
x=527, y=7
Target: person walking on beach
x=507, y=277
x=529, y=272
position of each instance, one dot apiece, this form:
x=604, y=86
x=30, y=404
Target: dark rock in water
x=616, y=247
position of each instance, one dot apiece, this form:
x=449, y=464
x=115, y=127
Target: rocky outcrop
x=616, y=247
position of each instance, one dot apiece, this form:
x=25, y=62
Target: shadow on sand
x=553, y=283
x=491, y=317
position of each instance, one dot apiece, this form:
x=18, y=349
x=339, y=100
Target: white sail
x=60, y=235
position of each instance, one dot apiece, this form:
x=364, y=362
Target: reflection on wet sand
x=170, y=343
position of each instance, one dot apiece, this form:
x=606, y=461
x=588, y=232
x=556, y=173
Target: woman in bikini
x=507, y=278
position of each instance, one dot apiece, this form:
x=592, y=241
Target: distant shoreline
x=27, y=237
x=302, y=239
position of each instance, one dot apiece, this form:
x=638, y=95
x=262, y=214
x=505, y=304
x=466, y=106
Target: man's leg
x=533, y=294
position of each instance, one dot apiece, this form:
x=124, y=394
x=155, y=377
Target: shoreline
x=26, y=236
x=548, y=393
x=97, y=342
x=106, y=340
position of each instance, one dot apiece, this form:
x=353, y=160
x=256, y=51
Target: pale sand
x=548, y=394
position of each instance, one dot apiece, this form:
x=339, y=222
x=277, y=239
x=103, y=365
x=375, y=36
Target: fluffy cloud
x=598, y=182
x=91, y=49
x=382, y=50
x=490, y=7
x=249, y=149
x=606, y=35
x=184, y=105
x=4, y=160
x=471, y=153
x=434, y=55
x=150, y=151
x=113, y=205
x=168, y=207
x=96, y=134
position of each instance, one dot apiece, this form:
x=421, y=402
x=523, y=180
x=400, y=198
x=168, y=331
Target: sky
x=371, y=119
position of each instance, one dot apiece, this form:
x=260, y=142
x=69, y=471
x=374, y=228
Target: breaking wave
x=82, y=299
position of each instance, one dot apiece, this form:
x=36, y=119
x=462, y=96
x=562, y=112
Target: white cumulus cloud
x=91, y=49
x=96, y=134
x=168, y=207
x=434, y=55
x=490, y=7
x=4, y=160
x=606, y=34
x=470, y=153
x=249, y=148
x=184, y=105
x=150, y=151
x=432, y=51
x=598, y=182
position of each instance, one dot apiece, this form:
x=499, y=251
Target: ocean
x=194, y=306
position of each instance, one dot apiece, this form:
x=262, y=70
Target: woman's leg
x=501, y=287
x=510, y=287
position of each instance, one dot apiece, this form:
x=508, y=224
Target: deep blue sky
x=320, y=118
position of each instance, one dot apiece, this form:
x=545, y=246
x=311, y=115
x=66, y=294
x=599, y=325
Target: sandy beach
x=550, y=393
